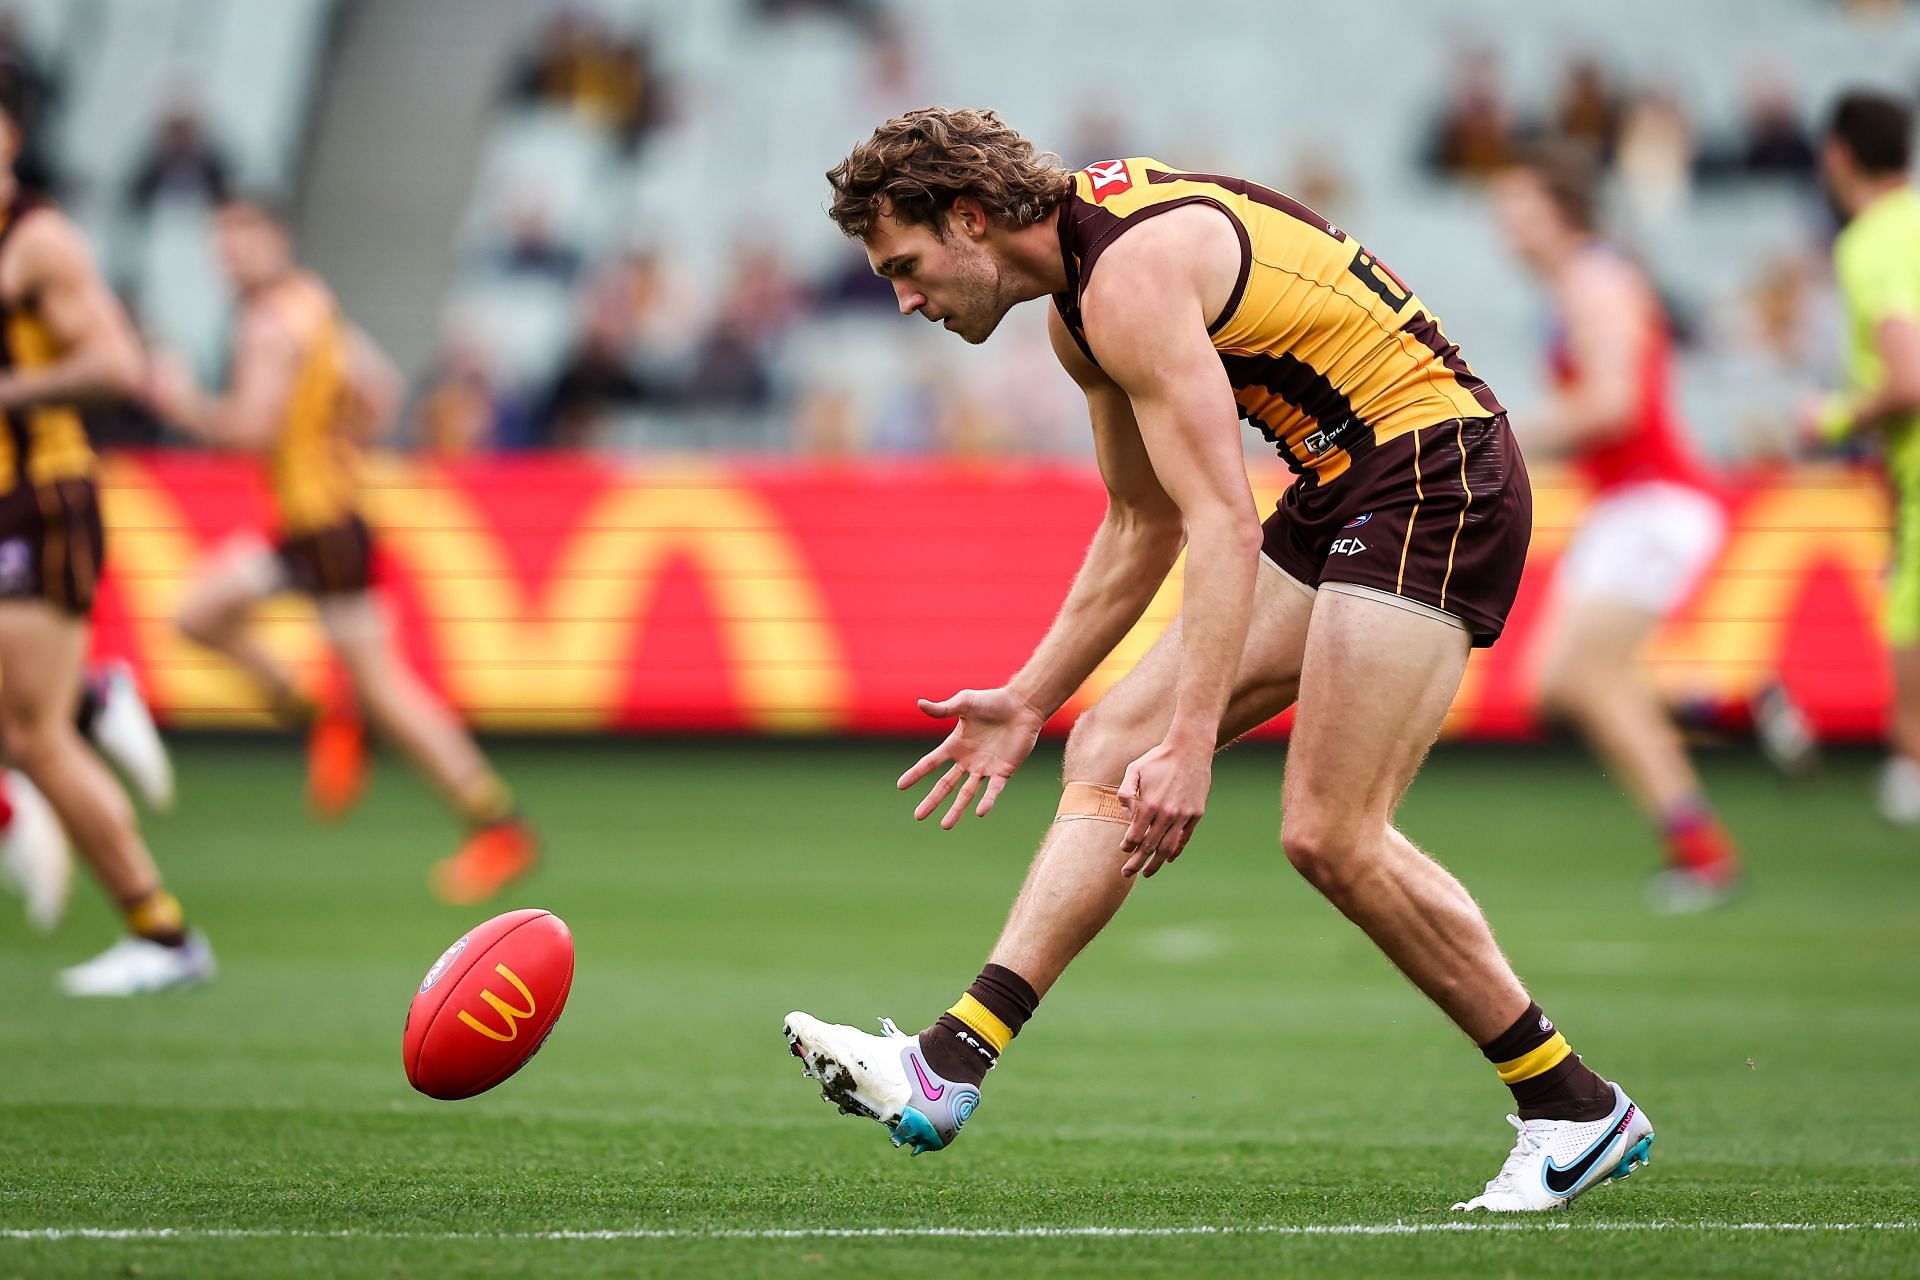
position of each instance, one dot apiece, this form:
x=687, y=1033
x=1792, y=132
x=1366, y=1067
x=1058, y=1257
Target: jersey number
x=1379, y=279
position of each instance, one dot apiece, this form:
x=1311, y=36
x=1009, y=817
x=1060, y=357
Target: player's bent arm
x=377, y=386
x=1130, y=555
x=1604, y=309
x=99, y=355
x=1146, y=320
x=1897, y=340
x=247, y=417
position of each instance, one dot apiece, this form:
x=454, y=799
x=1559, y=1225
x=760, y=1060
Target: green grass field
x=1232, y=1082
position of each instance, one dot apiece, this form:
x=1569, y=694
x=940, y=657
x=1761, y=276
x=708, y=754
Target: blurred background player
x=67, y=342
x=1655, y=525
x=307, y=389
x=34, y=859
x=1866, y=160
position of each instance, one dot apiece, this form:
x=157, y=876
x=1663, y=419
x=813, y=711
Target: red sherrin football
x=487, y=1004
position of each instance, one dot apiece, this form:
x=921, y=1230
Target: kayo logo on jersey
x=1109, y=178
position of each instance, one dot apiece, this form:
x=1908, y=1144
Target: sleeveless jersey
x=314, y=463
x=1328, y=353
x=44, y=443
x=1654, y=447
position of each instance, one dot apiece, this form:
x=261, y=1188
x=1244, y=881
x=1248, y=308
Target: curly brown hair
x=916, y=165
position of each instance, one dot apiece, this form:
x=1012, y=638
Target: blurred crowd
x=1642, y=134
x=753, y=353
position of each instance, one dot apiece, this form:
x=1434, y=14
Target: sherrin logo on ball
x=447, y=957
x=487, y=1004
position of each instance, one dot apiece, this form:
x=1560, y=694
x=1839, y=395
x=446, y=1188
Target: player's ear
x=968, y=216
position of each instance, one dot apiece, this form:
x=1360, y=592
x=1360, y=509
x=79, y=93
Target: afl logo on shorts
x=1357, y=521
x=1109, y=178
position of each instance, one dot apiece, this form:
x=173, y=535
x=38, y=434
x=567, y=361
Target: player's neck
x=1872, y=190
x=1565, y=250
x=1033, y=253
x=267, y=283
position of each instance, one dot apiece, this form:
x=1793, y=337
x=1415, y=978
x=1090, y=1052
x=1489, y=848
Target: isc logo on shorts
x=1347, y=547
x=1109, y=178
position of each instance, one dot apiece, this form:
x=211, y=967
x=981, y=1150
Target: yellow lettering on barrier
x=558, y=660
x=1268, y=484
x=153, y=552
x=1730, y=641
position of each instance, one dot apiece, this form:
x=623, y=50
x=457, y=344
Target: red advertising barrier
x=566, y=593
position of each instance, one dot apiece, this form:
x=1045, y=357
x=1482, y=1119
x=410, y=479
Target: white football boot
x=134, y=966
x=1783, y=731
x=884, y=1078
x=1900, y=791
x=1554, y=1161
x=34, y=859
x=125, y=734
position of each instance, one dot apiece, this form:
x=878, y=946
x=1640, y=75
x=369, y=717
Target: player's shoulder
x=41, y=245
x=1122, y=180
x=1886, y=234
x=42, y=230
x=1177, y=244
x=1602, y=266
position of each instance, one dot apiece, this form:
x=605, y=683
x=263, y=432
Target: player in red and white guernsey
x=1655, y=525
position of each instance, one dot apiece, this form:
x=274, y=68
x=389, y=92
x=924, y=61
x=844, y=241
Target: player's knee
x=1561, y=691
x=199, y=623
x=27, y=738
x=1326, y=850
x=1101, y=746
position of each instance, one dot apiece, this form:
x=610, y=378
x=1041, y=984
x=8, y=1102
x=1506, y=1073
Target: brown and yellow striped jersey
x=44, y=443
x=1328, y=352
x=314, y=461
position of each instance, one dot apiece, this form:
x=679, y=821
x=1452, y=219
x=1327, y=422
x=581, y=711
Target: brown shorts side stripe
x=1460, y=443
x=85, y=563
x=335, y=560
x=51, y=543
x=1342, y=533
x=1419, y=496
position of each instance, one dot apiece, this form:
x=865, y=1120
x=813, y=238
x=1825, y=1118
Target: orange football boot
x=492, y=858
x=336, y=758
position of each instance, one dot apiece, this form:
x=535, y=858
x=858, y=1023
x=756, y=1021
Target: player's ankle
x=1547, y=1078
x=157, y=917
x=966, y=1040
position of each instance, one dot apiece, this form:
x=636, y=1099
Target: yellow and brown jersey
x=1328, y=352
x=43, y=444
x=314, y=462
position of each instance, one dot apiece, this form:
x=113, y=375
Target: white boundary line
x=57, y=1234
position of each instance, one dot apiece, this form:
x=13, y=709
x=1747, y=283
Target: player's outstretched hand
x=996, y=731
x=1166, y=794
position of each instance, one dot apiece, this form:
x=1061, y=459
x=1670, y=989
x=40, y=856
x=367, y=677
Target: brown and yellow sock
x=967, y=1039
x=1548, y=1079
x=157, y=917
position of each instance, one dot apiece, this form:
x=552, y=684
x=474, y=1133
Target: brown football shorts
x=52, y=544
x=1440, y=517
x=334, y=560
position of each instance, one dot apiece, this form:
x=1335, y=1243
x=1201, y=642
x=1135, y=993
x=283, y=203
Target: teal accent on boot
x=916, y=1131
x=1637, y=1156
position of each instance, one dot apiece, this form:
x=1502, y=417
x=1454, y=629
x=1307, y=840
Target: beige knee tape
x=1091, y=800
